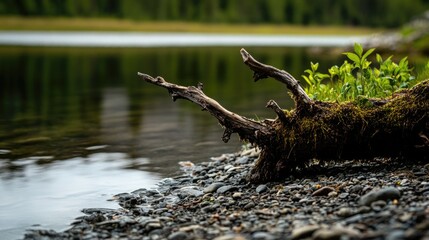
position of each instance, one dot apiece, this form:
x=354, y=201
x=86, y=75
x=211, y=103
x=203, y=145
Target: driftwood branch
x=233, y=123
x=395, y=127
x=261, y=71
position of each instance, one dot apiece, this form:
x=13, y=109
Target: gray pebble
x=213, y=187
x=191, y=191
x=345, y=212
x=178, y=236
x=378, y=205
x=396, y=235
x=343, y=195
x=262, y=188
x=248, y=206
x=356, y=189
x=262, y=236
x=303, y=232
x=242, y=160
x=386, y=194
x=230, y=237
x=324, y=191
x=225, y=189
x=335, y=233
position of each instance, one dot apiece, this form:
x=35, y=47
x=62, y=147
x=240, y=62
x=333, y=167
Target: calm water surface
x=77, y=125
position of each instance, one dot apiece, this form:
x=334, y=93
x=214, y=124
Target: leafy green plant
x=358, y=78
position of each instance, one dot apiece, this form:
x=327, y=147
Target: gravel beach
x=213, y=200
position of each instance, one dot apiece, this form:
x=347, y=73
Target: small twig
x=273, y=105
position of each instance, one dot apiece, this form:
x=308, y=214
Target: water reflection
x=51, y=195
x=78, y=123
x=57, y=102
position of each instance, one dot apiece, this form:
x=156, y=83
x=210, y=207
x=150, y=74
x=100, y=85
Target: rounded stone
x=386, y=194
x=213, y=187
x=323, y=191
x=261, y=188
x=178, y=236
x=225, y=189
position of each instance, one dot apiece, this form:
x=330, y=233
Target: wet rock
x=153, y=225
x=210, y=208
x=323, y=191
x=304, y=232
x=364, y=209
x=190, y=191
x=226, y=188
x=356, y=189
x=396, y=235
x=230, y=237
x=378, y=205
x=4, y=151
x=98, y=210
x=335, y=233
x=343, y=195
x=213, y=187
x=237, y=195
x=262, y=236
x=178, y=236
x=231, y=209
x=261, y=189
x=386, y=194
x=345, y=212
x=242, y=160
x=249, y=205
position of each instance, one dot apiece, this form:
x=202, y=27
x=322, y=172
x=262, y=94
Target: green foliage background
x=380, y=13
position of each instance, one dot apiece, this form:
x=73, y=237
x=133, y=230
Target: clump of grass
x=358, y=78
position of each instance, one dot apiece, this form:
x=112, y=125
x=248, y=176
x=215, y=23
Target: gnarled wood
x=396, y=127
x=246, y=128
x=261, y=71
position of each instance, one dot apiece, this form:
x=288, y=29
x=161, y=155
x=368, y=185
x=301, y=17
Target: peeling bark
x=395, y=127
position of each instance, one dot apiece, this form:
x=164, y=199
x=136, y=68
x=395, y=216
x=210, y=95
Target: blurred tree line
x=379, y=13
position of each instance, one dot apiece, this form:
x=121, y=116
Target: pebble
x=378, y=205
x=213, y=187
x=226, y=188
x=191, y=191
x=261, y=189
x=303, y=232
x=386, y=194
x=237, y=195
x=215, y=201
x=345, y=212
x=262, y=236
x=396, y=235
x=178, y=236
x=323, y=191
x=242, y=160
x=4, y=151
x=231, y=237
x=335, y=233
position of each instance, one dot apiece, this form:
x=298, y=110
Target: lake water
x=78, y=126
x=135, y=39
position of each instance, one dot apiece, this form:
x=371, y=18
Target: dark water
x=77, y=125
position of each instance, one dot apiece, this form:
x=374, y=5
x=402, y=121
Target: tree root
x=395, y=127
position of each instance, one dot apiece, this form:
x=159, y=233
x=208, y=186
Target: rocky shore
x=213, y=200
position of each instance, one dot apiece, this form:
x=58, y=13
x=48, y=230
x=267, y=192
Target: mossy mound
x=396, y=127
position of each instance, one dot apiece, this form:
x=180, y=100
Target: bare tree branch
x=262, y=71
x=233, y=123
